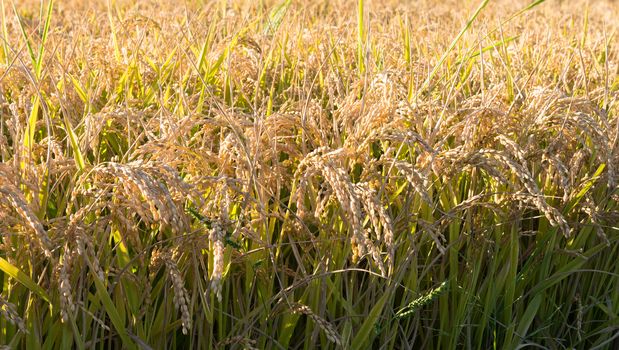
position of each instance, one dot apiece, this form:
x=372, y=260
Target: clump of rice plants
x=300, y=175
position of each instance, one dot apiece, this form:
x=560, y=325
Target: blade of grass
x=360, y=38
x=365, y=332
x=23, y=278
x=111, y=311
x=526, y=320
x=5, y=34
x=276, y=16
x=79, y=158
x=495, y=45
x=440, y=62
x=44, y=33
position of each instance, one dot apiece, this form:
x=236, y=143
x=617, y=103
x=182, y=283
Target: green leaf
x=587, y=186
x=25, y=35
x=527, y=318
x=111, y=311
x=24, y=279
x=39, y=60
x=464, y=29
x=361, y=340
x=276, y=16
x=79, y=158
x=527, y=8
x=496, y=44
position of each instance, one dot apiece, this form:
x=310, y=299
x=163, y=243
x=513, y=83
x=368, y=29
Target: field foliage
x=309, y=174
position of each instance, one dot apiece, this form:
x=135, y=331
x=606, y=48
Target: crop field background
x=309, y=174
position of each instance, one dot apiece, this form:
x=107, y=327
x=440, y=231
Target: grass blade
x=112, y=312
x=24, y=279
x=440, y=62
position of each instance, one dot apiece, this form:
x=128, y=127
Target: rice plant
x=298, y=175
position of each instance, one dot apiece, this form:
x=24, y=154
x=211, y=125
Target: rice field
x=286, y=174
